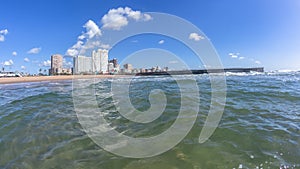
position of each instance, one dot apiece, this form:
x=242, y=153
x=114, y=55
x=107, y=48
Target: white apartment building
x=82, y=64
x=100, y=61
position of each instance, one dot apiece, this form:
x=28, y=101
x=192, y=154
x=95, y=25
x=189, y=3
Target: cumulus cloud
x=26, y=60
x=161, y=42
x=2, y=34
x=234, y=55
x=92, y=29
x=72, y=52
x=257, y=62
x=23, y=67
x=115, y=19
x=241, y=58
x=196, y=37
x=8, y=63
x=34, y=51
x=14, y=53
x=46, y=63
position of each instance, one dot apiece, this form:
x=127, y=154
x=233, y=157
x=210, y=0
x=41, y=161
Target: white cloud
x=81, y=37
x=23, y=67
x=46, y=63
x=8, y=63
x=92, y=29
x=2, y=38
x=72, y=52
x=161, y=42
x=147, y=17
x=257, y=62
x=241, y=58
x=105, y=46
x=136, y=15
x=26, y=60
x=195, y=37
x=234, y=55
x=14, y=53
x=2, y=34
x=34, y=51
x=115, y=19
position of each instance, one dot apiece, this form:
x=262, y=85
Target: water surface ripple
x=260, y=127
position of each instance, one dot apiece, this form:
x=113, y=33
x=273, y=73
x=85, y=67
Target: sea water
x=260, y=126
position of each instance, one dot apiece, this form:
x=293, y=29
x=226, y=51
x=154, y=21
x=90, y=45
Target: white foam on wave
x=244, y=73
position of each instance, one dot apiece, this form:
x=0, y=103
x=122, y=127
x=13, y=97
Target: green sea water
x=260, y=126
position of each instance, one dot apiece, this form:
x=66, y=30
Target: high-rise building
x=82, y=64
x=100, y=61
x=56, y=64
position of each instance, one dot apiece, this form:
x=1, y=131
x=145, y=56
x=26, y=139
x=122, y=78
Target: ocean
x=259, y=128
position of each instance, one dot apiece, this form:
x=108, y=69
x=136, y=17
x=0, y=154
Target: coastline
x=10, y=80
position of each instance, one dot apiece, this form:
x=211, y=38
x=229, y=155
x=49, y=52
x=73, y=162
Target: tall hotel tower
x=100, y=61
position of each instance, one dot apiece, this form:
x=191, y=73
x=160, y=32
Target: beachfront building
x=128, y=68
x=100, y=61
x=96, y=64
x=113, y=66
x=82, y=65
x=56, y=64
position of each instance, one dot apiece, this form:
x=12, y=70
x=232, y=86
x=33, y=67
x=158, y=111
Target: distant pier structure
x=203, y=71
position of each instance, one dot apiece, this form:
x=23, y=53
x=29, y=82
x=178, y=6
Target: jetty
x=203, y=71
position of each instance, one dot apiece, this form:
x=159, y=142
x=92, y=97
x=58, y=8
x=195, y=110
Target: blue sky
x=245, y=33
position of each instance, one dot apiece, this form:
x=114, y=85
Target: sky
x=248, y=33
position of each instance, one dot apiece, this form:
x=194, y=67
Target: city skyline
x=245, y=34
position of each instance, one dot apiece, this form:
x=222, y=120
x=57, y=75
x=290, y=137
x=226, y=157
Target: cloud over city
x=91, y=30
x=115, y=19
x=8, y=63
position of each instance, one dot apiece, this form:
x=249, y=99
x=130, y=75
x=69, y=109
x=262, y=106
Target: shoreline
x=11, y=80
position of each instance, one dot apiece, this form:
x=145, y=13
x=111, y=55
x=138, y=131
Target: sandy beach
x=9, y=80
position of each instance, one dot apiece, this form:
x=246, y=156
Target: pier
x=203, y=71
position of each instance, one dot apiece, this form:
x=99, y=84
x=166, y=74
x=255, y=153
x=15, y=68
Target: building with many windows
x=96, y=64
x=100, y=61
x=56, y=64
x=82, y=65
